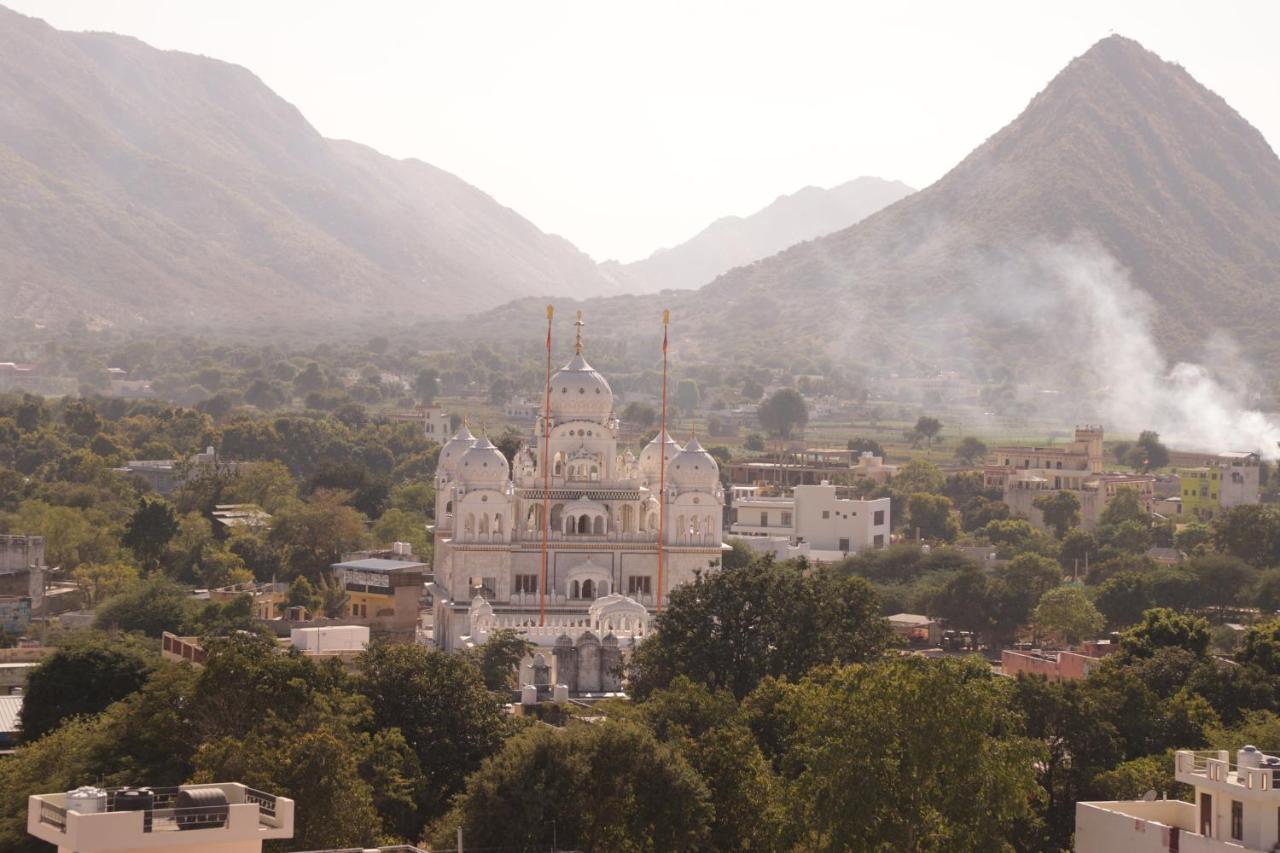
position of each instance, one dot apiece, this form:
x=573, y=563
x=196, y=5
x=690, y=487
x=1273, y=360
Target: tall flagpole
x=662, y=457
x=546, y=478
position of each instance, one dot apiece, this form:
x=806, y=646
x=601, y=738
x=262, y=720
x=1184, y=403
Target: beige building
x=1024, y=473
x=1235, y=807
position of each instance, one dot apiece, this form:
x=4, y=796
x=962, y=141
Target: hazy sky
x=625, y=127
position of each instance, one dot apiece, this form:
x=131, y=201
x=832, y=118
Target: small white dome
x=693, y=466
x=649, y=457
x=483, y=463
x=453, y=450
x=578, y=392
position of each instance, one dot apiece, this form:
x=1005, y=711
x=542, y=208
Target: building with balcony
x=216, y=818
x=831, y=527
x=1235, y=807
x=384, y=593
x=604, y=525
x=1217, y=483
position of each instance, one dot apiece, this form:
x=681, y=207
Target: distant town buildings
x=1055, y=665
x=384, y=593
x=1234, y=808
x=1024, y=473
x=830, y=526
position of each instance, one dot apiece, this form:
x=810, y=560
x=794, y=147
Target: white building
x=603, y=543
x=830, y=526
x=1236, y=807
x=218, y=818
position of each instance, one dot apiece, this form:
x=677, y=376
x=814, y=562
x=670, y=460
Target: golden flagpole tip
x=666, y=316
x=550, y=311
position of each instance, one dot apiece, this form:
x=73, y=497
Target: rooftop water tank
x=87, y=800
x=529, y=695
x=1248, y=756
x=201, y=808
x=560, y=693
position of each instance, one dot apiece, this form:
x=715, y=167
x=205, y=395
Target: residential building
x=833, y=527
x=1235, y=808
x=166, y=476
x=231, y=516
x=605, y=530
x=10, y=721
x=1219, y=482
x=267, y=598
x=810, y=467
x=1024, y=473
x=214, y=818
x=435, y=421
x=23, y=572
x=384, y=594
x=1055, y=665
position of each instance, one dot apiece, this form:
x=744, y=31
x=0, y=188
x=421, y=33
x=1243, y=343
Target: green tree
x=641, y=416
x=687, y=397
x=302, y=593
x=498, y=659
x=1195, y=539
x=1250, y=532
x=752, y=390
x=919, y=475
x=783, y=412
x=1164, y=628
x=906, y=754
x=1224, y=580
x=930, y=516
x=1078, y=547
x=99, y=581
x=441, y=705
x=866, y=445
x=315, y=534
x=970, y=450
x=754, y=442
x=566, y=786
x=83, y=676
x=929, y=427
x=427, y=385
x=1067, y=615
x=1260, y=647
x=1123, y=598
x=151, y=607
x=1060, y=509
x=729, y=630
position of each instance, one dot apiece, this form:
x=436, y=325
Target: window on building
x=786, y=519
x=764, y=519
x=844, y=545
x=826, y=513
x=1237, y=820
x=639, y=585
x=879, y=517
x=1206, y=814
x=878, y=540
x=526, y=584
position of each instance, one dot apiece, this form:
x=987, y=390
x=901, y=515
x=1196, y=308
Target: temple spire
x=577, y=344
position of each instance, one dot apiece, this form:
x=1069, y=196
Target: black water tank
x=136, y=800
x=202, y=808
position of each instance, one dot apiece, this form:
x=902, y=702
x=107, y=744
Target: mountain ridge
x=733, y=241
x=146, y=186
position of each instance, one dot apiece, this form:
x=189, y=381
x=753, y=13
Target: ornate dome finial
x=577, y=344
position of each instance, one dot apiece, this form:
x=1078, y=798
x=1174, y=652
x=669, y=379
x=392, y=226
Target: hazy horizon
x=626, y=132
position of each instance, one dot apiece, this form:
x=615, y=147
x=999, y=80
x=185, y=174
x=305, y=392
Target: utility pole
x=459, y=839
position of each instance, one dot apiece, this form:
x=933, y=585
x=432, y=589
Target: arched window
x=497, y=523
x=588, y=588
x=573, y=590
x=598, y=527
x=557, y=469
x=584, y=524
x=556, y=517
x=469, y=525
x=484, y=524
x=628, y=519
x=448, y=506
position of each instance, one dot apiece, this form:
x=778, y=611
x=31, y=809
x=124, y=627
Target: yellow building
x=1201, y=488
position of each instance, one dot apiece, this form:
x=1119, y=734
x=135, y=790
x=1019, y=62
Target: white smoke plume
x=1193, y=406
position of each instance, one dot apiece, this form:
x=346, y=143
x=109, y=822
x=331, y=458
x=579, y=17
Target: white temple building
x=603, y=544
